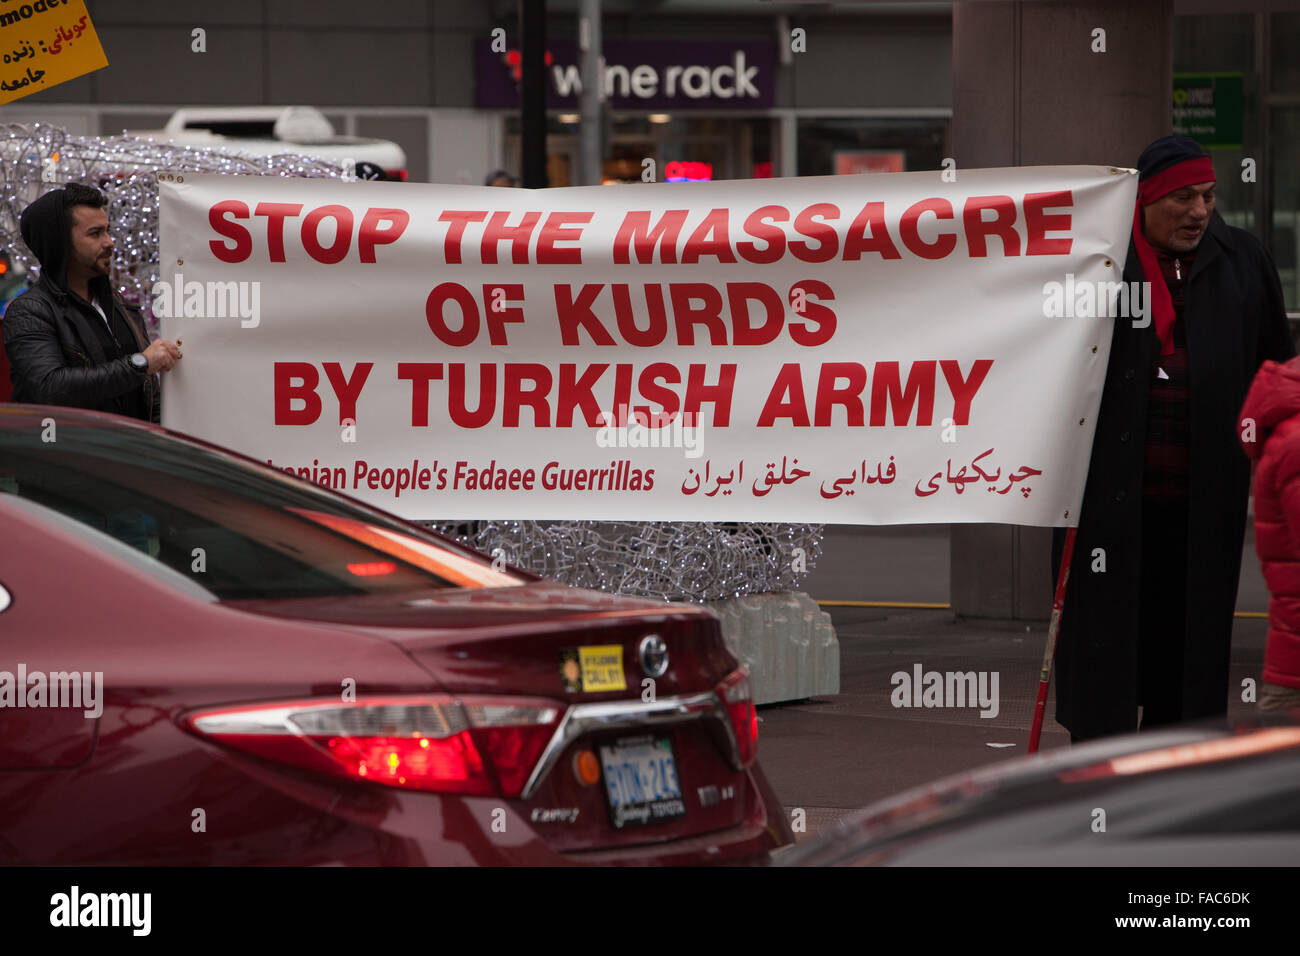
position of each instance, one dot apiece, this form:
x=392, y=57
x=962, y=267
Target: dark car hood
x=1174, y=785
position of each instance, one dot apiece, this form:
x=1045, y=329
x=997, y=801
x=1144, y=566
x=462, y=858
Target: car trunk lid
x=646, y=749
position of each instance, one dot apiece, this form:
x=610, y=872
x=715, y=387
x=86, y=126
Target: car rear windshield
x=240, y=530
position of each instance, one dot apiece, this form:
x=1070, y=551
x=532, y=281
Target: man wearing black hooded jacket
x=70, y=339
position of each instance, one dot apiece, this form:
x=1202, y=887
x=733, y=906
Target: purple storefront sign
x=663, y=75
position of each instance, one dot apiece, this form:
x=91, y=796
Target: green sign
x=1208, y=108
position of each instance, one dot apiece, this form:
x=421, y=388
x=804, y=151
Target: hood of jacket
x=1274, y=397
x=45, y=227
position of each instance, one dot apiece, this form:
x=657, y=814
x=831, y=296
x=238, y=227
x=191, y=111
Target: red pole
x=1053, y=629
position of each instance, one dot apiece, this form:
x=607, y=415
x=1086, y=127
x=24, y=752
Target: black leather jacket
x=56, y=359
x=58, y=352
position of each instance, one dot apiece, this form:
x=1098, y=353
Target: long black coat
x=1234, y=318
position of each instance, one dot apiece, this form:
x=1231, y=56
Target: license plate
x=641, y=782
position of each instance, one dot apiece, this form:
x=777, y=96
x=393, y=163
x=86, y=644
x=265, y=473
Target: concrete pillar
x=1029, y=90
x=591, y=147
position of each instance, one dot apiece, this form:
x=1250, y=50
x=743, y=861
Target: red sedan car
x=206, y=661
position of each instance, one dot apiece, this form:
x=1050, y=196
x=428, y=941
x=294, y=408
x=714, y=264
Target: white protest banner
x=869, y=349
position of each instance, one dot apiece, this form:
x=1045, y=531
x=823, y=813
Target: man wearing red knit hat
x=1148, y=617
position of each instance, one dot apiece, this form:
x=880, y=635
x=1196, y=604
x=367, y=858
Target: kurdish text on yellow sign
x=44, y=43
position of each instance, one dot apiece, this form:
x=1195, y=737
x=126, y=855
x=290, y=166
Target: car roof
x=16, y=417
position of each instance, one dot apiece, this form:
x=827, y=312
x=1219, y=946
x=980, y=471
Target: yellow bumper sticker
x=602, y=668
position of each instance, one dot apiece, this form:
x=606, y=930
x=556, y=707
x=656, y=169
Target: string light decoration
x=38, y=157
x=671, y=560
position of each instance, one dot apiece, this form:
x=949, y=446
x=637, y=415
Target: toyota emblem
x=654, y=656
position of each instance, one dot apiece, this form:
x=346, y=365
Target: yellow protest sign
x=44, y=43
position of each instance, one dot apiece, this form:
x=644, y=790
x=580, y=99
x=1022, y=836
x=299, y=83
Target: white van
x=268, y=130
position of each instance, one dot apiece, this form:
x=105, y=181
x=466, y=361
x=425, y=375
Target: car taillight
x=369, y=569
x=738, y=698
x=435, y=742
x=512, y=735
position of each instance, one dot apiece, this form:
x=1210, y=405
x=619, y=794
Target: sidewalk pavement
x=830, y=755
x=911, y=563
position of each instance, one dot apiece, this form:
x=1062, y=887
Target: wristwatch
x=139, y=362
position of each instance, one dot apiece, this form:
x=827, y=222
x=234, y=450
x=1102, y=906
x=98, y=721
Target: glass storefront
x=850, y=145
x=1283, y=106
x=743, y=147
x=1286, y=202
x=1258, y=178
x=682, y=147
